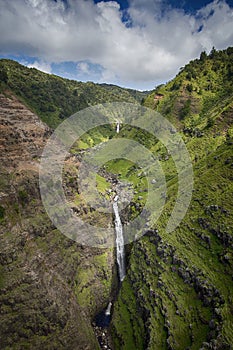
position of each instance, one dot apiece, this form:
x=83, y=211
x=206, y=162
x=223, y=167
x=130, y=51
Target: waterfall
x=120, y=248
x=108, y=310
x=103, y=318
x=118, y=127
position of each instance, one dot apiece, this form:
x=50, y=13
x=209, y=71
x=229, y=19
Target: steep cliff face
x=178, y=291
x=50, y=287
x=23, y=135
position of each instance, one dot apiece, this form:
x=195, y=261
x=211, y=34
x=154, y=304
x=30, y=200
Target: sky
x=136, y=43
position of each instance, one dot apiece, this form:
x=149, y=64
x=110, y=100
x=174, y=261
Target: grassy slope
x=178, y=290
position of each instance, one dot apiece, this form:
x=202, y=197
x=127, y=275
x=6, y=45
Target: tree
x=210, y=122
x=189, y=87
x=186, y=109
x=213, y=53
x=3, y=75
x=203, y=56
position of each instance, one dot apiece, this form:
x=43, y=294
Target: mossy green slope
x=178, y=290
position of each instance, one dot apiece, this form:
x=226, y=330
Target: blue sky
x=134, y=43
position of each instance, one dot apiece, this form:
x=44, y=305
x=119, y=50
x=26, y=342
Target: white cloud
x=41, y=65
x=83, y=67
x=158, y=41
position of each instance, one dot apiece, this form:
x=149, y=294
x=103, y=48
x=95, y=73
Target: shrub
x=23, y=196
x=3, y=75
x=184, y=112
x=189, y=87
x=2, y=213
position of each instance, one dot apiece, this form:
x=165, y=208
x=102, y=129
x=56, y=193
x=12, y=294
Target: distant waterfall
x=118, y=127
x=120, y=248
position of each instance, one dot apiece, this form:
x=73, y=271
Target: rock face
x=50, y=287
x=23, y=134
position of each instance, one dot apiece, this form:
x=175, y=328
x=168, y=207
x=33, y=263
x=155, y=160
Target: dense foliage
x=178, y=292
x=54, y=98
x=199, y=87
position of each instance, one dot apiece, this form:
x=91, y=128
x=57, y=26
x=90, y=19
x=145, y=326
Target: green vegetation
x=178, y=292
x=206, y=83
x=86, y=283
x=178, y=286
x=101, y=184
x=54, y=98
x=2, y=212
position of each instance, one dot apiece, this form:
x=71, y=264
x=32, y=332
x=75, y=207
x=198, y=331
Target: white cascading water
x=108, y=310
x=118, y=127
x=120, y=248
